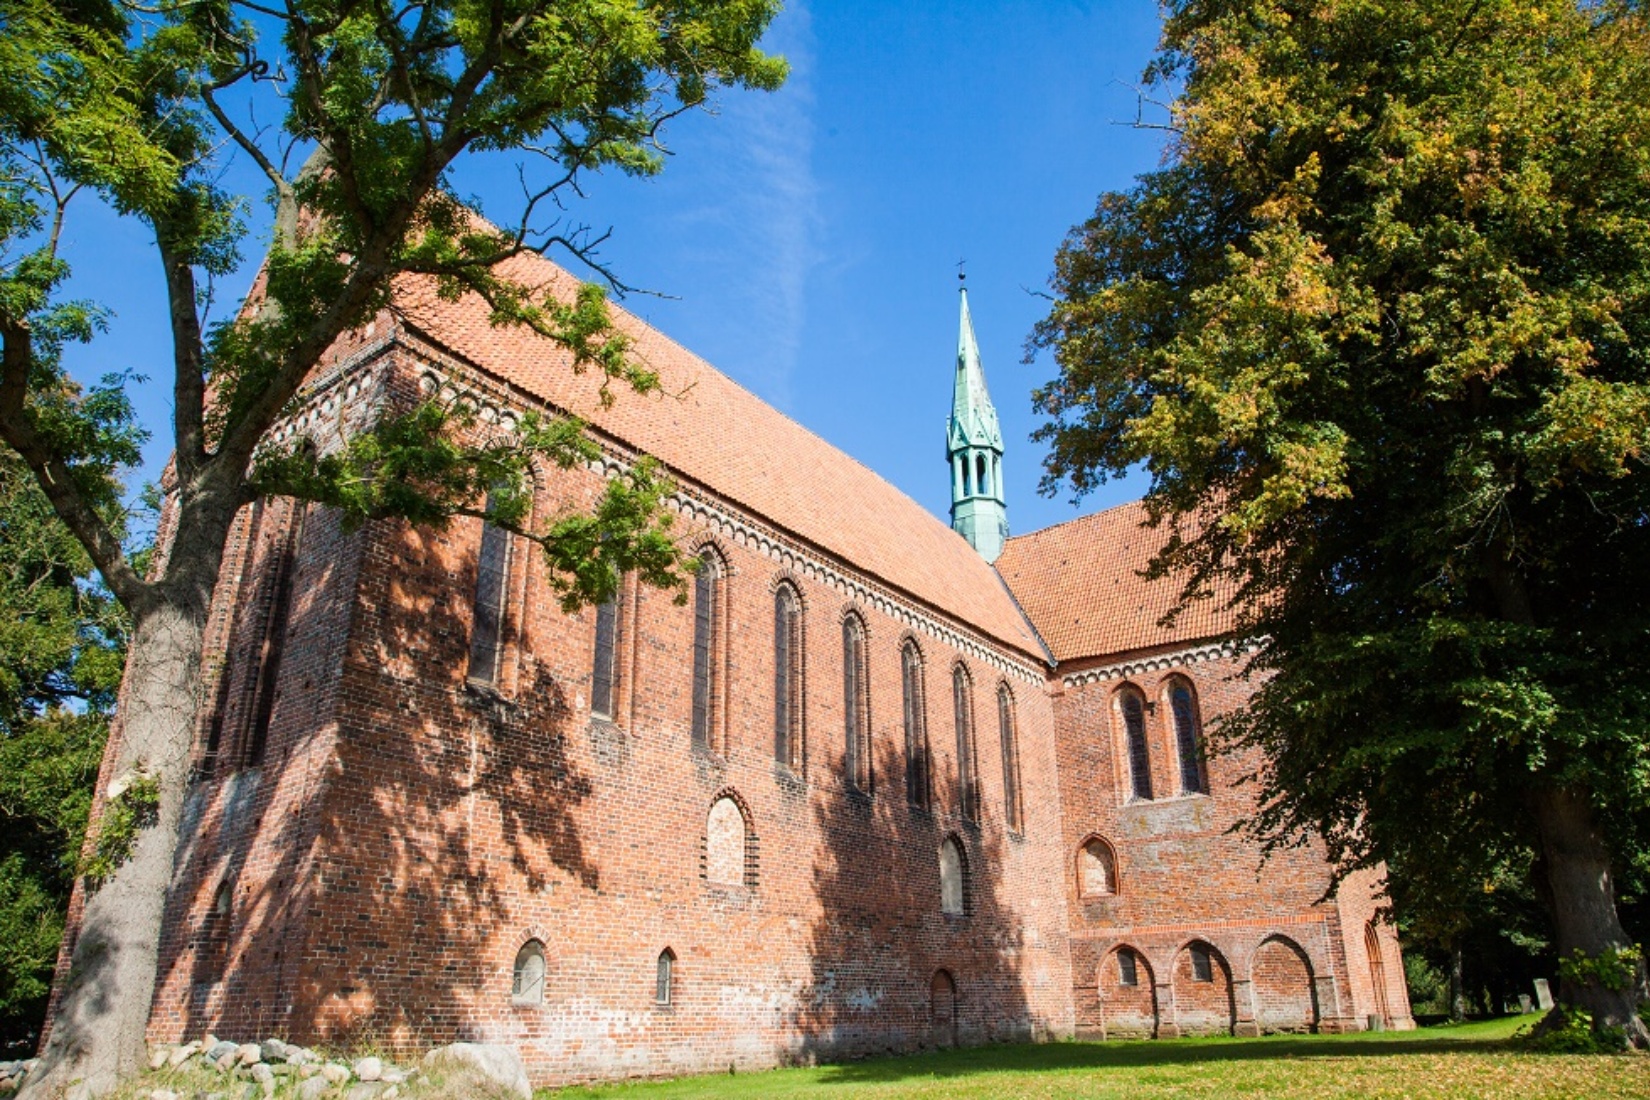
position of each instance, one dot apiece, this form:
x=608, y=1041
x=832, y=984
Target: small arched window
x=1183, y=706
x=916, y=726
x=492, y=575
x=962, y=700
x=1128, y=969
x=953, y=878
x=856, y=704
x=726, y=844
x=1133, y=708
x=1012, y=809
x=527, y=980
x=787, y=677
x=707, y=633
x=1096, y=869
x=980, y=479
x=222, y=900
x=1203, y=969
x=664, y=976
x=604, y=666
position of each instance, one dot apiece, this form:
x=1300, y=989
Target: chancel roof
x=1080, y=584
x=711, y=431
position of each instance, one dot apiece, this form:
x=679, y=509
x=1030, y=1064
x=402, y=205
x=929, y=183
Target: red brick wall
x=409, y=831
x=1181, y=875
x=442, y=826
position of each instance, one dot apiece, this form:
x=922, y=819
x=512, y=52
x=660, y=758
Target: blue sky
x=808, y=240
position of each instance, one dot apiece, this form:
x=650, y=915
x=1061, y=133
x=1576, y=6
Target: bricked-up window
x=1134, y=729
x=274, y=636
x=962, y=700
x=856, y=704
x=1096, y=869
x=916, y=726
x=492, y=573
x=1127, y=972
x=603, y=669
x=527, y=980
x=1202, y=968
x=953, y=879
x=664, y=974
x=1013, y=812
x=706, y=635
x=725, y=844
x=1183, y=706
x=787, y=678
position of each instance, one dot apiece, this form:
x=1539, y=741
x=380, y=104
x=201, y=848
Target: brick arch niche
x=942, y=1009
x=1281, y=978
x=1204, y=1003
x=1128, y=995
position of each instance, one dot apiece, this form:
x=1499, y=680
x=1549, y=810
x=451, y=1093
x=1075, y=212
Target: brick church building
x=876, y=786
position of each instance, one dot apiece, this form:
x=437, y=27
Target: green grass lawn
x=1471, y=1060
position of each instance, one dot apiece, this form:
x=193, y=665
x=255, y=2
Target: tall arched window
x=275, y=630
x=1012, y=809
x=856, y=704
x=1134, y=731
x=916, y=726
x=604, y=666
x=962, y=699
x=787, y=677
x=953, y=878
x=492, y=572
x=1183, y=706
x=707, y=632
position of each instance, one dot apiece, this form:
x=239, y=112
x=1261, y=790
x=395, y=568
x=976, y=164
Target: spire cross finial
x=962, y=272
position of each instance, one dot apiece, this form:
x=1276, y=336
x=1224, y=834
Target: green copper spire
x=974, y=445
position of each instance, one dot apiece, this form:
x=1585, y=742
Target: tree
x=374, y=105
x=61, y=643
x=1380, y=331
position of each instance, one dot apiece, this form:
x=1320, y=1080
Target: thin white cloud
x=763, y=212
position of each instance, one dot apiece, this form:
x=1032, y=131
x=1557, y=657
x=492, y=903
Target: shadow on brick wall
x=383, y=918
x=890, y=970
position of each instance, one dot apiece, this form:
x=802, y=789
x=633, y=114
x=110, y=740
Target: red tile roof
x=717, y=434
x=1080, y=583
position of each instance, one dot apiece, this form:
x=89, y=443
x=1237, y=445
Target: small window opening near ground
x=1202, y=969
x=1127, y=972
x=527, y=984
x=221, y=901
x=664, y=976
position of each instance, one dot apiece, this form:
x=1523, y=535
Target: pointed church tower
x=974, y=443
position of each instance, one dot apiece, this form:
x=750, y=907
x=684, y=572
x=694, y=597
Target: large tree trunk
x=97, y=1033
x=1457, y=984
x=1576, y=866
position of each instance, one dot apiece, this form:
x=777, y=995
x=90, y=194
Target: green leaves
x=1382, y=325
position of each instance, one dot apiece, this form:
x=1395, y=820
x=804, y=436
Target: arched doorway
x=1377, y=973
x=942, y=1009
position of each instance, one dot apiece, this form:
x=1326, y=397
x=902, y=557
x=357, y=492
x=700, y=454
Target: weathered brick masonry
x=383, y=844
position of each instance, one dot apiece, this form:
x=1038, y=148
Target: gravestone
x=1543, y=994
x=1524, y=1003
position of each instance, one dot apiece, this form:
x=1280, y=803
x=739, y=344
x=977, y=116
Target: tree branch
x=56, y=478
x=189, y=381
